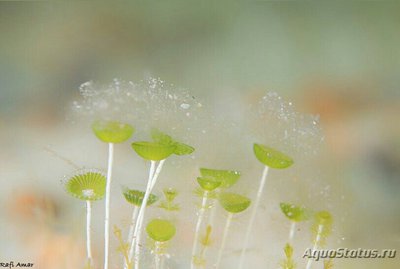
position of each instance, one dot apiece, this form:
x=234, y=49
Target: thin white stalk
x=138, y=228
x=132, y=225
x=317, y=239
x=213, y=209
x=292, y=231
x=131, y=229
x=157, y=173
x=224, y=236
x=107, y=206
x=198, y=225
x=157, y=256
x=88, y=231
x=138, y=225
x=253, y=216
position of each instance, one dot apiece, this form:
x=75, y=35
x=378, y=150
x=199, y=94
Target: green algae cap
x=271, y=157
x=112, y=131
x=209, y=183
x=234, y=203
x=323, y=218
x=162, y=138
x=295, y=213
x=89, y=185
x=160, y=230
x=153, y=151
x=135, y=197
x=227, y=177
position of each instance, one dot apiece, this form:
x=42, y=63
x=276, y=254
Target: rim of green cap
x=152, y=150
x=227, y=177
x=271, y=157
x=233, y=202
x=112, y=131
x=160, y=230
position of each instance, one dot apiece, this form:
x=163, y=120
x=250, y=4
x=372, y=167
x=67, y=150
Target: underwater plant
x=227, y=177
x=288, y=262
x=135, y=197
x=110, y=132
x=207, y=184
x=271, y=158
x=295, y=214
x=233, y=203
x=160, y=231
x=162, y=147
x=168, y=204
x=87, y=185
x=320, y=229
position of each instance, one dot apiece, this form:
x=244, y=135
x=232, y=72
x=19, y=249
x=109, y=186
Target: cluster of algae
x=92, y=185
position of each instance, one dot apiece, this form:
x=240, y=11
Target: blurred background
x=338, y=60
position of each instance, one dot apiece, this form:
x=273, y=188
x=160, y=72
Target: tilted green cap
x=295, y=213
x=227, y=177
x=112, y=131
x=135, y=197
x=160, y=230
x=234, y=203
x=271, y=157
x=152, y=150
x=87, y=185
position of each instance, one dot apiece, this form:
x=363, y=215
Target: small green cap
x=87, y=185
x=295, y=213
x=234, y=203
x=227, y=177
x=153, y=151
x=112, y=131
x=135, y=197
x=162, y=138
x=323, y=218
x=271, y=157
x=209, y=183
x=160, y=230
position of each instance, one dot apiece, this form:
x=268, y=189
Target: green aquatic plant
x=320, y=229
x=288, y=262
x=205, y=241
x=158, y=150
x=271, y=158
x=295, y=214
x=123, y=247
x=164, y=139
x=87, y=185
x=110, y=132
x=135, y=197
x=168, y=204
x=233, y=203
x=207, y=184
x=161, y=231
x=227, y=177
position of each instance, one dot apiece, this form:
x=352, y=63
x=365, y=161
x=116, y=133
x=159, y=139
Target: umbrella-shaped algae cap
x=271, y=157
x=227, y=177
x=162, y=138
x=153, y=151
x=87, y=185
x=112, y=131
x=160, y=230
x=295, y=213
x=135, y=197
x=234, y=203
x=209, y=183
